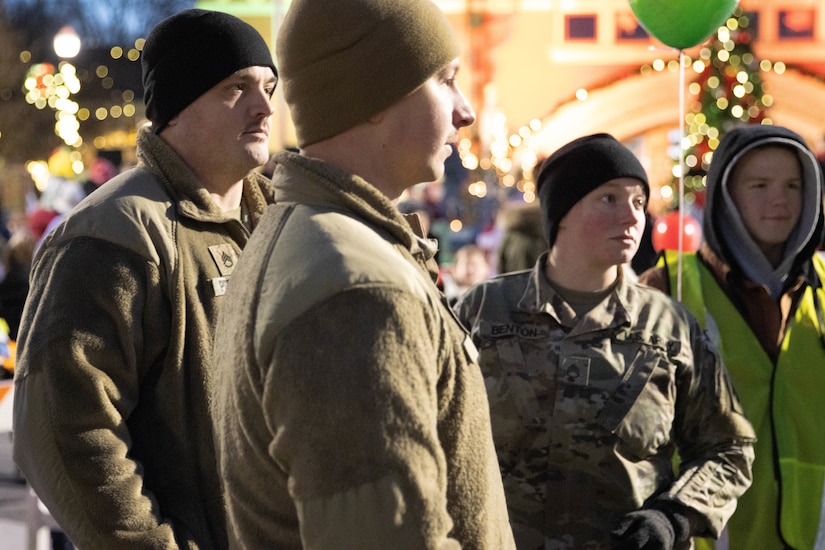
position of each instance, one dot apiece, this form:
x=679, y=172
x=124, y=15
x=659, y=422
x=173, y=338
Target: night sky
x=100, y=23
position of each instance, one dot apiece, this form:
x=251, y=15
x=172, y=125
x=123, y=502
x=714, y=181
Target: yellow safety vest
x=785, y=403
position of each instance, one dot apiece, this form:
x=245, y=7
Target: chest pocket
x=537, y=375
x=640, y=412
x=517, y=371
x=522, y=382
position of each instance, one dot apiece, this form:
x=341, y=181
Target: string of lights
x=727, y=88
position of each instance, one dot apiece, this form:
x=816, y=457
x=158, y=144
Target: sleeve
x=83, y=343
x=352, y=397
x=714, y=440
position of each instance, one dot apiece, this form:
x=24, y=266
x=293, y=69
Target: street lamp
x=66, y=43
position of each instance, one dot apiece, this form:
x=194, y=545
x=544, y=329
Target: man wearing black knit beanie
x=112, y=421
x=595, y=381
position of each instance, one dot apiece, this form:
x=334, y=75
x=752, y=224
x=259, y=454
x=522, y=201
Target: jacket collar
x=337, y=189
x=726, y=277
x=192, y=199
x=539, y=297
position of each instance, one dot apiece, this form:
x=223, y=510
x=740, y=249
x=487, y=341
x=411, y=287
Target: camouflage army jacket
x=588, y=413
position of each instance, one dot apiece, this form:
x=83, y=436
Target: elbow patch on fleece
x=371, y=515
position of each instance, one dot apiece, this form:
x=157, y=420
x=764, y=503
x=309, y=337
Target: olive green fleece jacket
x=349, y=410
x=111, y=413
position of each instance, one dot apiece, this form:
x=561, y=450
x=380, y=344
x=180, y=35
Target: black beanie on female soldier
x=189, y=53
x=343, y=62
x=578, y=168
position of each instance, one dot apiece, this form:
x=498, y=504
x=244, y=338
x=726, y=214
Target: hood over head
x=723, y=228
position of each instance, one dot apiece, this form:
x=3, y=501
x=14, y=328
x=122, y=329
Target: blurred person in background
x=14, y=287
x=522, y=240
x=101, y=171
x=470, y=268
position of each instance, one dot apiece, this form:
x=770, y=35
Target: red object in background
x=38, y=220
x=666, y=233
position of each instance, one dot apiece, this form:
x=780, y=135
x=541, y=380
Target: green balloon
x=682, y=23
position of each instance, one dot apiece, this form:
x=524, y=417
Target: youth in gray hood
x=756, y=284
x=723, y=226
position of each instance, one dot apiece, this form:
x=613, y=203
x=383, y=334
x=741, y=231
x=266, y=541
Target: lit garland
x=47, y=86
x=503, y=161
x=727, y=91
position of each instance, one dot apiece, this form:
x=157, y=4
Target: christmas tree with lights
x=727, y=92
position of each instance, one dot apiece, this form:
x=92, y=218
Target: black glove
x=651, y=529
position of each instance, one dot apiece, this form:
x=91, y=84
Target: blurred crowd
x=22, y=232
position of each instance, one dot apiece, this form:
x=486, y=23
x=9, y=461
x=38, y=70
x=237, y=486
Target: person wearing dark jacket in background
x=523, y=240
x=14, y=288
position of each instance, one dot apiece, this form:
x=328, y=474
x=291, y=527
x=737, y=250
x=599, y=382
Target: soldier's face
x=419, y=130
x=227, y=128
x=605, y=227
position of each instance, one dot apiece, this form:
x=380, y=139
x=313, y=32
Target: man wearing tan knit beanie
x=350, y=412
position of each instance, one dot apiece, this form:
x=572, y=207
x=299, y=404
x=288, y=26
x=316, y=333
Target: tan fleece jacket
x=349, y=411
x=111, y=419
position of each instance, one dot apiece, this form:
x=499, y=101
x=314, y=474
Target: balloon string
x=681, y=173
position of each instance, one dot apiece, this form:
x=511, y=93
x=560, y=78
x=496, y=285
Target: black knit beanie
x=189, y=53
x=345, y=61
x=577, y=169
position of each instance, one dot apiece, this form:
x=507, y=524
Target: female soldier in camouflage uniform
x=595, y=382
